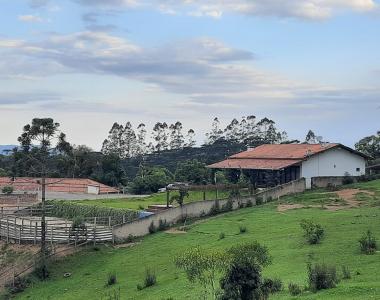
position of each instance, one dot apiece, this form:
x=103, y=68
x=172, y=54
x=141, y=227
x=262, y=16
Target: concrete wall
x=201, y=208
x=18, y=199
x=322, y=182
x=333, y=162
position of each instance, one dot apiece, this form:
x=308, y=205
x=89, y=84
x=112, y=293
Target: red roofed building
x=64, y=185
x=269, y=165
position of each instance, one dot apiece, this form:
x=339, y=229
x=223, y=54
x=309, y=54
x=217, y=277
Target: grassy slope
x=159, y=198
x=280, y=232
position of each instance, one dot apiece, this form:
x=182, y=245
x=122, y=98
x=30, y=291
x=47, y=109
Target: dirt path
x=347, y=195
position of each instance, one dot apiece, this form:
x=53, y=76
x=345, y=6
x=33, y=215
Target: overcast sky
x=307, y=64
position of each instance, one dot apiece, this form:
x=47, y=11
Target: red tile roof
x=67, y=185
x=284, y=151
x=275, y=157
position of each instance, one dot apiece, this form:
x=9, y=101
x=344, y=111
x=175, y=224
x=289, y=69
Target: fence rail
x=20, y=229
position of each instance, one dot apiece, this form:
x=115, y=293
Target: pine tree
x=311, y=138
x=215, y=134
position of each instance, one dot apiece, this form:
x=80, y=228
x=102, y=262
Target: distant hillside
x=5, y=148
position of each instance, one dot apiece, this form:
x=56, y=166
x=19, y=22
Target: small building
x=60, y=185
x=271, y=165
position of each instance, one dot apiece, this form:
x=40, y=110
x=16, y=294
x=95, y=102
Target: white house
x=277, y=164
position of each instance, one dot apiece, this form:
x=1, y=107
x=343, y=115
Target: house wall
x=333, y=162
x=197, y=209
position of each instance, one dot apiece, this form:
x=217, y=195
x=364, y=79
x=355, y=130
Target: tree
x=192, y=171
x=370, y=145
x=190, y=139
x=113, y=144
x=150, y=180
x=311, y=138
x=128, y=142
x=202, y=266
x=243, y=279
x=216, y=132
x=44, y=132
x=232, y=131
x=176, y=137
x=160, y=136
x=141, y=146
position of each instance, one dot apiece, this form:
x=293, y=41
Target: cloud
x=30, y=18
x=38, y=3
x=11, y=99
x=304, y=9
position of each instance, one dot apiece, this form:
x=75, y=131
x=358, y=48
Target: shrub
x=7, y=190
x=130, y=239
x=150, y=278
x=312, y=232
x=139, y=287
x=20, y=284
x=235, y=193
x=111, y=280
x=249, y=203
x=269, y=199
x=368, y=243
x=322, y=276
x=272, y=285
x=259, y=201
x=346, y=273
x=141, y=207
x=294, y=289
x=162, y=225
x=215, y=209
x=347, y=179
x=221, y=236
x=242, y=229
x=228, y=206
x=152, y=228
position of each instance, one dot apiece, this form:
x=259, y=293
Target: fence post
x=204, y=195
x=123, y=219
x=35, y=233
x=109, y=221
x=7, y=229
x=94, y=231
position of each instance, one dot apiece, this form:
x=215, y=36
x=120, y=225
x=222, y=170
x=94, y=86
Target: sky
x=306, y=64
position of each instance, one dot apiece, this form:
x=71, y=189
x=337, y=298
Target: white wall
x=333, y=162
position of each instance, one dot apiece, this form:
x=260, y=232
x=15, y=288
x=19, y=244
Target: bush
x=346, y=273
x=162, y=225
x=294, y=289
x=259, y=201
x=249, y=203
x=215, y=209
x=20, y=284
x=347, y=179
x=242, y=229
x=111, y=280
x=150, y=278
x=150, y=180
x=152, y=228
x=221, y=236
x=272, y=285
x=312, y=232
x=7, y=190
x=235, y=193
x=322, y=277
x=368, y=243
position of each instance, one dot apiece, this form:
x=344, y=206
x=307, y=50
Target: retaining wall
x=325, y=181
x=201, y=208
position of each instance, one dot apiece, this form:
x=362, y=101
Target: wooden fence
x=28, y=229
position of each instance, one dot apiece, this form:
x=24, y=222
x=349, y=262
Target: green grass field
x=280, y=232
x=137, y=203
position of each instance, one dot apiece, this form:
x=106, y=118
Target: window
x=357, y=169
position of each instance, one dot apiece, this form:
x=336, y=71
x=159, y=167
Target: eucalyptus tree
x=216, y=133
x=39, y=141
x=176, y=136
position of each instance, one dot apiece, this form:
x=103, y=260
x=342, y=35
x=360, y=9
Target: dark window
x=357, y=169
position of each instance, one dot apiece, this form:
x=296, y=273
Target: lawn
x=280, y=232
x=138, y=203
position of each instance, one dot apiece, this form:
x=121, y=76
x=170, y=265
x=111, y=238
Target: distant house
x=63, y=185
x=269, y=165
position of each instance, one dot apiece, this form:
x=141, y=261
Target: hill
x=345, y=215
x=5, y=148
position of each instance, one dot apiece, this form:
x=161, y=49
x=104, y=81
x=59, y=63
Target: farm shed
x=271, y=165
x=64, y=185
